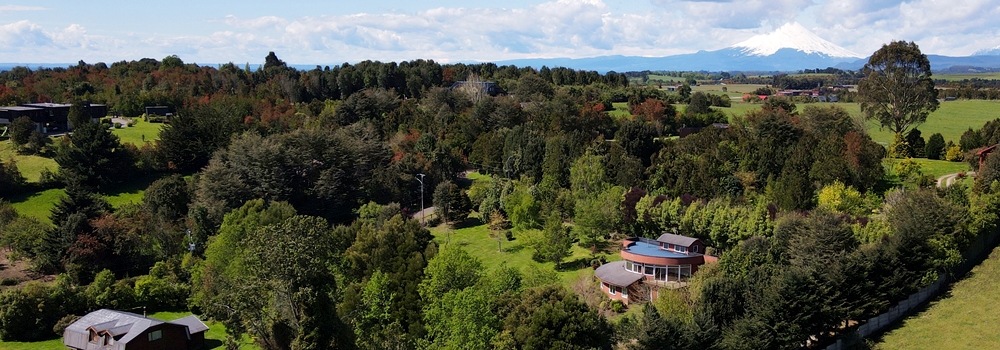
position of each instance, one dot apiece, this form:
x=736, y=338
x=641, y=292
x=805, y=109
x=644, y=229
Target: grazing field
x=477, y=242
x=30, y=165
x=970, y=76
x=142, y=131
x=966, y=317
x=214, y=337
x=951, y=119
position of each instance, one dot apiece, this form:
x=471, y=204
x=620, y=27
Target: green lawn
x=214, y=337
x=39, y=204
x=477, y=242
x=937, y=168
x=966, y=317
x=620, y=111
x=142, y=131
x=30, y=165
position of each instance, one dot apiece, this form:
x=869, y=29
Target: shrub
x=617, y=306
x=9, y=281
x=64, y=322
x=118, y=125
x=954, y=154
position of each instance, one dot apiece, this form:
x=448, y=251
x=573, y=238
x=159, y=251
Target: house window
x=636, y=267
x=612, y=289
x=628, y=265
x=649, y=271
x=694, y=249
x=681, y=249
x=155, y=335
x=625, y=292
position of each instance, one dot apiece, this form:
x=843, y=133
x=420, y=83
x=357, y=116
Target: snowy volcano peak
x=792, y=36
x=988, y=52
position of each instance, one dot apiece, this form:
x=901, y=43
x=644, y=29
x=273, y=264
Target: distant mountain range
x=789, y=48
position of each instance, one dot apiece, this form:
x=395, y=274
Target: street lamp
x=422, y=213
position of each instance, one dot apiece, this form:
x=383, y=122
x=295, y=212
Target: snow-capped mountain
x=988, y=52
x=791, y=47
x=792, y=36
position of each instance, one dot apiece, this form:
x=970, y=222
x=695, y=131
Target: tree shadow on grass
x=213, y=344
x=574, y=265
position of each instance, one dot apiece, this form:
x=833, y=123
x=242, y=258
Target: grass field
x=931, y=167
x=214, y=337
x=951, y=119
x=141, y=132
x=477, y=242
x=966, y=317
x=621, y=110
x=37, y=205
x=959, y=77
x=30, y=165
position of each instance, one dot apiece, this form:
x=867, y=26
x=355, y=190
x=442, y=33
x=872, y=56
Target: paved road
x=948, y=180
x=419, y=215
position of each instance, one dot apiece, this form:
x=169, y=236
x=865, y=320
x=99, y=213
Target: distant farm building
x=158, y=114
x=118, y=330
x=650, y=264
x=49, y=117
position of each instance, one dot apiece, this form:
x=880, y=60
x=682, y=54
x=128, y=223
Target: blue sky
x=332, y=32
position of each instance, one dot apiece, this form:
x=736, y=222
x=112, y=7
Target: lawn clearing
x=620, y=111
x=39, y=204
x=477, y=242
x=139, y=133
x=966, y=317
x=937, y=168
x=30, y=165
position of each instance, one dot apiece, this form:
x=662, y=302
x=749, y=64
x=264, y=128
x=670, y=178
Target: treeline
x=128, y=86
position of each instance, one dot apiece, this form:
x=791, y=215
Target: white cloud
x=254, y=23
x=22, y=34
x=951, y=28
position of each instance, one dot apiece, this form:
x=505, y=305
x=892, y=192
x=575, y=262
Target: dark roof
x=615, y=273
x=683, y=241
x=20, y=108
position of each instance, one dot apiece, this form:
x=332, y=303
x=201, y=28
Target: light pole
x=422, y=213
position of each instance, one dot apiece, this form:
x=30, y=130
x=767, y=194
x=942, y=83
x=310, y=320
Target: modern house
x=118, y=330
x=49, y=117
x=650, y=264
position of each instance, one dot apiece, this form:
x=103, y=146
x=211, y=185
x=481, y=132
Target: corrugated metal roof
x=77, y=334
x=119, y=323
